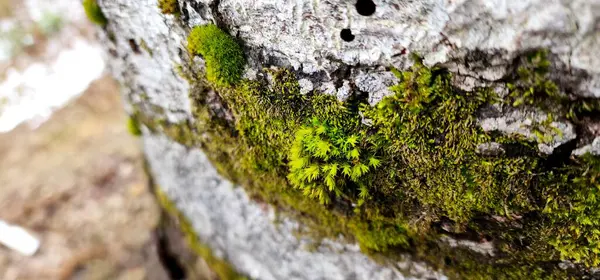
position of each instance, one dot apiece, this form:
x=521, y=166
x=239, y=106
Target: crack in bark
x=167, y=257
x=219, y=19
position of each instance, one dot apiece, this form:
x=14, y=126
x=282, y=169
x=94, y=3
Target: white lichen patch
x=532, y=124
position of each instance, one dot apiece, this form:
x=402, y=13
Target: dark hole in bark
x=346, y=35
x=134, y=46
x=561, y=155
x=365, y=7
x=168, y=258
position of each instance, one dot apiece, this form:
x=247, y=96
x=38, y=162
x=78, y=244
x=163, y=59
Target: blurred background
x=71, y=175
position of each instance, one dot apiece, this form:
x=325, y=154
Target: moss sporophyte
x=412, y=175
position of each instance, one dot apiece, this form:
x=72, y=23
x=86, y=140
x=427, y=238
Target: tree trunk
x=475, y=126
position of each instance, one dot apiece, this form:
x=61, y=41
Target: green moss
x=467, y=265
x=94, y=13
x=323, y=158
x=569, y=191
x=532, y=87
x=169, y=7
x=250, y=153
x=573, y=207
x=133, y=126
x=424, y=140
x=431, y=131
x=378, y=234
x=220, y=267
x=223, y=56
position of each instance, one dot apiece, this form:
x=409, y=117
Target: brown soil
x=77, y=183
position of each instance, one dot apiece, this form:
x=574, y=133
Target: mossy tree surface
x=531, y=87
x=430, y=134
x=418, y=173
x=219, y=266
x=94, y=12
x=573, y=206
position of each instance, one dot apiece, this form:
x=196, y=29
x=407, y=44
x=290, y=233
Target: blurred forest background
x=71, y=174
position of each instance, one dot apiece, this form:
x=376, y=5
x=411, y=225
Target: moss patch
x=224, y=57
x=423, y=179
x=532, y=87
x=573, y=207
x=430, y=136
x=94, y=12
x=133, y=126
x=323, y=160
x=169, y=7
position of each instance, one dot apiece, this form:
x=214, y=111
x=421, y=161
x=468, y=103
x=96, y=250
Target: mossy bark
x=219, y=267
x=406, y=176
x=431, y=182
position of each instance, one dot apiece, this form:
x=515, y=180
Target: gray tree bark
x=340, y=49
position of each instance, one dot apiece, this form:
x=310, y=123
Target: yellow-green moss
x=572, y=205
x=532, y=87
x=169, y=7
x=94, y=12
x=324, y=160
x=431, y=135
x=428, y=177
x=223, y=56
x=133, y=126
x=220, y=267
x=460, y=263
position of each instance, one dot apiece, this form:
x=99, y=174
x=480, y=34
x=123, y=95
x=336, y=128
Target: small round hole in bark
x=365, y=7
x=347, y=35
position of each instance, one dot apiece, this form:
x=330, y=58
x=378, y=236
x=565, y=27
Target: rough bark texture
x=247, y=233
x=481, y=42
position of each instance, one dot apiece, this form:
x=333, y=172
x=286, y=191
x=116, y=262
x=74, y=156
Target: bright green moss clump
x=277, y=145
x=323, y=158
x=224, y=57
x=94, y=13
